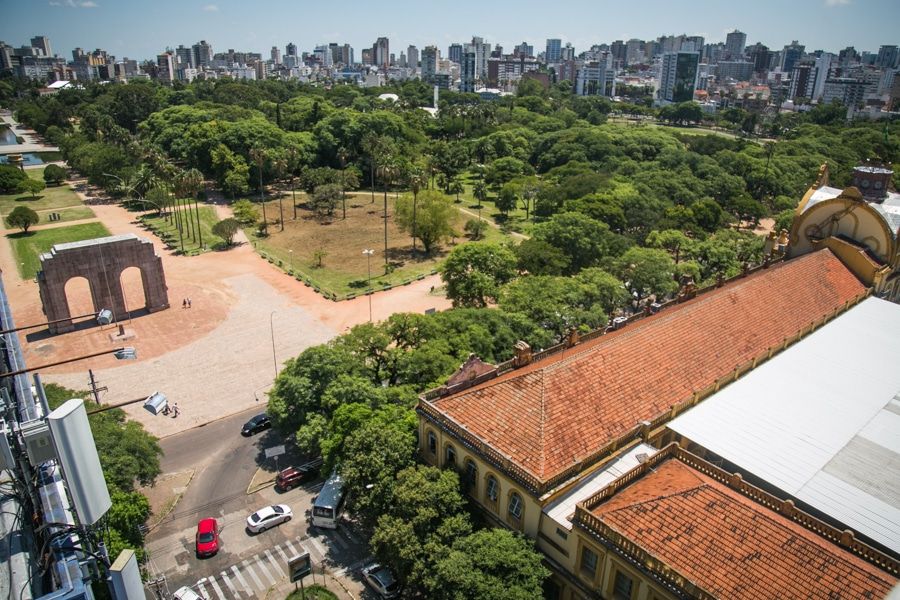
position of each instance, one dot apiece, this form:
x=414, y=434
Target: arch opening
x=131, y=279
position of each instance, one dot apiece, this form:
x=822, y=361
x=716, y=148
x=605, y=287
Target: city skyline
x=828, y=25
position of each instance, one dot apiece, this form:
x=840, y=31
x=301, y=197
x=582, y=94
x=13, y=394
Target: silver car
x=382, y=580
x=268, y=517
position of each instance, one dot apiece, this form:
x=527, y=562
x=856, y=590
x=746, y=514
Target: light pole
x=368, y=253
x=291, y=253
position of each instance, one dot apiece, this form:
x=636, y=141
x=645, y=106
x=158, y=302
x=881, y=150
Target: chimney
x=523, y=354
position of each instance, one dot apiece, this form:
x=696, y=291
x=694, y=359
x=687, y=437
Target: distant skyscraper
x=887, y=56
x=290, y=49
x=184, y=57
x=367, y=57
x=454, y=53
x=412, y=57
x=760, y=56
x=275, y=55
x=202, y=54
x=552, y=54
x=735, y=42
x=469, y=71
x=482, y=54
x=430, y=58
x=678, y=76
x=43, y=43
x=523, y=49
x=634, y=52
x=381, y=53
x=790, y=55
x=165, y=64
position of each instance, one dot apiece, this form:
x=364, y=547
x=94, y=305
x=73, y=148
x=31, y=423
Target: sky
x=143, y=29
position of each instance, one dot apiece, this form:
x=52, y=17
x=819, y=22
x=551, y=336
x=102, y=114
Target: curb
x=163, y=516
x=252, y=489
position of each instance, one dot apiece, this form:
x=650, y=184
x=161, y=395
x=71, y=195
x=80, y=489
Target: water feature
x=7, y=137
x=28, y=159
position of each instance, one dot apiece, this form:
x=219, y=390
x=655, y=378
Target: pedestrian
x=175, y=409
x=189, y=302
x=184, y=303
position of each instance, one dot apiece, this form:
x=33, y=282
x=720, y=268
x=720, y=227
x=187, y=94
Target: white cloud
x=88, y=4
x=74, y=4
x=837, y=2
x=211, y=8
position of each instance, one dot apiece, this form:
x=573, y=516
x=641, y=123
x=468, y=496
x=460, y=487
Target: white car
x=186, y=593
x=268, y=517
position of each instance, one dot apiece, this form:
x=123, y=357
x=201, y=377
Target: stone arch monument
x=100, y=261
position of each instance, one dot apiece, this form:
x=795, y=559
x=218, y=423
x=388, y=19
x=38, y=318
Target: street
x=247, y=565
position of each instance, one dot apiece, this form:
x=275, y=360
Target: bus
x=329, y=504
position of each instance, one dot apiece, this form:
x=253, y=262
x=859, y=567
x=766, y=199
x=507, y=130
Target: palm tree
x=343, y=154
x=387, y=170
x=280, y=165
x=292, y=164
x=480, y=191
x=456, y=187
x=259, y=155
x=417, y=178
x=191, y=182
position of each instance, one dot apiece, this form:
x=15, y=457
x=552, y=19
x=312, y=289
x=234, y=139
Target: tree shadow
x=21, y=234
x=28, y=198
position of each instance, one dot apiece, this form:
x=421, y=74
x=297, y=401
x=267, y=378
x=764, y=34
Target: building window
x=451, y=455
x=515, y=506
x=492, y=492
x=471, y=477
x=562, y=533
x=588, y=562
x=622, y=587
x=432, y=442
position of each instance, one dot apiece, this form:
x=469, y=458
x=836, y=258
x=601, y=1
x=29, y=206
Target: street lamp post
x=291, y=254
x=368, y=252
x=272, y=330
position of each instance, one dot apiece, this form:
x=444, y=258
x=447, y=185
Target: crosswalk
x=253, y=576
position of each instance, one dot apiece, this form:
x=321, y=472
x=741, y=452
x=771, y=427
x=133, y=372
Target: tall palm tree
x=293, y=162
x=259, y=155
x=280, y=166
x=387, y=171
x=193, y=182
x=342, y=155
x=417, y=178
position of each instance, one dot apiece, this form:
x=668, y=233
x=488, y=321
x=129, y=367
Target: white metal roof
x=564, y=507
x=888, y=208
x=821, y=421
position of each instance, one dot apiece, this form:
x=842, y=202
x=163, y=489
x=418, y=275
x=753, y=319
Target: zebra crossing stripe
x=278, y=571
x=261, y=565
x=291, y=546
x=230, y=585
x=243, y=582
x=322, y=550
x=249, y=570
x=282, y=553
x=215, y=587
x=203, y=593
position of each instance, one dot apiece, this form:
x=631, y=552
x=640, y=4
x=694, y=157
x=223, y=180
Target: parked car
x=186, y=593
x=207, y=537
x=268, y=517
x=291, y=477
x=258, y=423
x=382, y=580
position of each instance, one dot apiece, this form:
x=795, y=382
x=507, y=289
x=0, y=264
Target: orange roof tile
x=558, y=411
x=731, y=546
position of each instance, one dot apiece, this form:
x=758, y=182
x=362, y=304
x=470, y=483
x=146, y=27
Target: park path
x=55, y=225
x=32, y=143
x=214, y=359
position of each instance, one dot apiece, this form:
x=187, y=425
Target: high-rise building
x=823, y=71
x=482, y=54
x=888, y=56
x=760, y=57
x=412, y=57
x=42, y=42
x=381, y=53
x=184, y=57
x=290, y=49
x=634, y=52
x=367, y=57
x=523, y=49
x=803, y=80
x=678, y=76
x=734, y=44
x=275, y=55
x=469, y=70
x=567, y=53
x=552, y=54
x=594, y=78
x=165, y=64
x=790, y=55
x=619, y=52
x=736, y=70
x=454, y=53
x=202, y=54
x=430, y=58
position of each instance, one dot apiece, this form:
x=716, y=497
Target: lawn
x=344, y=267
x=29, y=246
x=74, y=213
x=52, y=197
x=166, y=229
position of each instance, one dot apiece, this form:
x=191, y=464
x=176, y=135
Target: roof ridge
x=541, y=432
x=694, y=488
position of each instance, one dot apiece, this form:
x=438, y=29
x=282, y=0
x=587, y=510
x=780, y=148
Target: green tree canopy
x=474, y=273
x=226, y=229
x=31, y=186
x=430, y=221
x=54, y=174
x=22, y=217
x=646, y=271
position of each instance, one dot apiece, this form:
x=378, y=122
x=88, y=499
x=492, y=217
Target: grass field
x=344, y=267
x=74, y=213
x=52, y=197
x=167, y=230
x=29, y=246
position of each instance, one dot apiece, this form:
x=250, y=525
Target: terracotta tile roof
x=558, y=411
x=731, y=546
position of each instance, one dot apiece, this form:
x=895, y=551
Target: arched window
x=471, y=477
x=515, y=507
x=450, y=457
x=492, y=491
x=432, y=442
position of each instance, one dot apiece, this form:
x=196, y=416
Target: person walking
x=184, y=303
x=175, y=409
x=189, y=302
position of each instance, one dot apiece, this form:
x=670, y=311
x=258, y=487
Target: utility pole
x=94, y=389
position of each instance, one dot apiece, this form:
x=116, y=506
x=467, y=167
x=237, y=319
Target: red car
x=207, y=537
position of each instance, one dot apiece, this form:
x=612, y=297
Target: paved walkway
x=215, y=358
x=32, y=143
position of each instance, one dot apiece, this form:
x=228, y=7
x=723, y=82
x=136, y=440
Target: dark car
x=256, y=424
x=293, y=476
